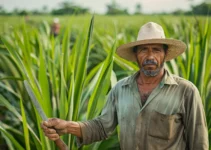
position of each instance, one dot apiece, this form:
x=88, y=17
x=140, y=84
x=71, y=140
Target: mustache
x=150, y=62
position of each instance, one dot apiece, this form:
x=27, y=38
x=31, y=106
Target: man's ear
x=135, y=49
x=164, y=60
x=165, y=48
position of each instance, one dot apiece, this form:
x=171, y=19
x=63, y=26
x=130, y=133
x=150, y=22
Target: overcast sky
x=99, y=6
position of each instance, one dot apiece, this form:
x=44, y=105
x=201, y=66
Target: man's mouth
x=150, y=67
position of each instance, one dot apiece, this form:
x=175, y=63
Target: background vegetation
x=113, y=8
x=71, y=74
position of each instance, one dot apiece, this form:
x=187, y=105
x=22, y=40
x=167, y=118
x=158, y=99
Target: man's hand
x=55, y=127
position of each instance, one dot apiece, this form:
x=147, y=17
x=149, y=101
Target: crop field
x=72, y=73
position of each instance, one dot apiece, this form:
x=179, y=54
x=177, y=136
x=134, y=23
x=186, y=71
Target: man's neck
x=143, y=79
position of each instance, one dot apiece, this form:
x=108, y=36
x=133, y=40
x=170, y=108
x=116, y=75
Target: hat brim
x=175, y=48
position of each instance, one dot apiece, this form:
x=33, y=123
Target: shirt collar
x=167, y=79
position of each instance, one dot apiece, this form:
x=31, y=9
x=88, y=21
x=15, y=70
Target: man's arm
x=87, y=131
x=55, y=127
x=101, y=127
x=196, y=131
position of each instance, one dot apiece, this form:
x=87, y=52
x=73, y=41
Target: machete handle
x=60, y=144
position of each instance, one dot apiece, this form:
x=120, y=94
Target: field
x=72, y=73
x=100, y=21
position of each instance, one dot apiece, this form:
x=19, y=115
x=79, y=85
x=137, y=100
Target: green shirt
x=172, y=118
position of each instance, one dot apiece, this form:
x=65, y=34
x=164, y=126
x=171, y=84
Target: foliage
x=138, y=8
x=114, y=9
x=202, y=9
x=69, y=8
x=72, y=73
x=65, y=8
x=2, y=11
x=57, y=76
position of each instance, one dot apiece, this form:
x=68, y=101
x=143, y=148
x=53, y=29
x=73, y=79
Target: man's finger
x=50, y=131
x=45, y=123
x=61, y=132
x=43, y=126
x=52, y=136
x=53, y=122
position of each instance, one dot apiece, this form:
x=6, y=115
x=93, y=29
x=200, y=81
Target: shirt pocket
x=164, y=126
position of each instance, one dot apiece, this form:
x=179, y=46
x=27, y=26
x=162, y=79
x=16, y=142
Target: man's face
x=150, y=58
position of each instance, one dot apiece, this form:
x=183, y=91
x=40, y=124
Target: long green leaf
x=81, y=71
x=15, y=112
x=106, y=71
x=43, y=82
x=12, y=139
x=25, y=129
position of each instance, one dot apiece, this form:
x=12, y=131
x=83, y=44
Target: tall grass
x=57, y=75
x=71, y=74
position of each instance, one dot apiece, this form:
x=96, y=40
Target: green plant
x=71, y=78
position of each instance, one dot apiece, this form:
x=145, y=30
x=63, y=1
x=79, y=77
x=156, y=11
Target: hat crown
x=151, y=30
x=56, y=20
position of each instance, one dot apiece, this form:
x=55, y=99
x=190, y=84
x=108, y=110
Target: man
x=55, y=27
x=154, y=109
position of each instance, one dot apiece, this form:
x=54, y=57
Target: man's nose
x=150, y=54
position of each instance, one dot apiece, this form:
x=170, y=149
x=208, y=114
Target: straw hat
x=152, y=33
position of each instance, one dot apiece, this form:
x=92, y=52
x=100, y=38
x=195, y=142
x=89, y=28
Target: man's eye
x=142, y=50
x=157, y=50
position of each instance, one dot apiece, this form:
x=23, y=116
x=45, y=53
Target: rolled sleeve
x=101, y=127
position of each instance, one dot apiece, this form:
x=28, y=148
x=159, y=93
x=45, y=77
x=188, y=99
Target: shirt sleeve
x=196, y=131
x=101, y=127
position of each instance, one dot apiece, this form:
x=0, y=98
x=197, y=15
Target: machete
x=59, y=143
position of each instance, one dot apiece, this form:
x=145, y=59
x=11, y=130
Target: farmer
x=154, y=109
x=55, y=27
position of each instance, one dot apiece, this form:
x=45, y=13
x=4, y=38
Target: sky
x=99, y=6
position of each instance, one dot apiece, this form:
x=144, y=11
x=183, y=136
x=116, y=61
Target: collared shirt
x=172, y=118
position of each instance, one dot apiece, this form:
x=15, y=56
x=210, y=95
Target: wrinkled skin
x=55, y=127
x=150, y=58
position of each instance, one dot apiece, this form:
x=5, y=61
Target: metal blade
x=35, y=101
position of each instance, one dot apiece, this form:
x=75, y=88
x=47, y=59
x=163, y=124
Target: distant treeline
x=113, y=8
